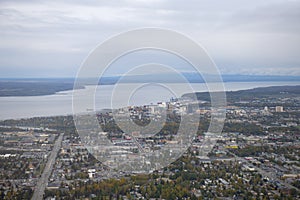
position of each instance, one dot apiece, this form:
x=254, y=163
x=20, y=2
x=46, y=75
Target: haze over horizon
x=51, y=39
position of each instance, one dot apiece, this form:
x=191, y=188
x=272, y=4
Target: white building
x=279, y=109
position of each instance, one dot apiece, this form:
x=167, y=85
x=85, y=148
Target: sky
x=52, y=38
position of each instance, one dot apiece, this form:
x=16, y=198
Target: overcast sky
x=52, y=38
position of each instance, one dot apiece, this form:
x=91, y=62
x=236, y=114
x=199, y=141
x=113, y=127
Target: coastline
x=67, y=102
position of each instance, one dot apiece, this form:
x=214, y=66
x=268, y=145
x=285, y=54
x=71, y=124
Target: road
x=43, y=181
x=264, y=173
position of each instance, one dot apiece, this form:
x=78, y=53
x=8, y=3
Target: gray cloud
x=51, y=38
x=280, y=17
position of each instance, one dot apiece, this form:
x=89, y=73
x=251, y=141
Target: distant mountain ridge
x=194, y=78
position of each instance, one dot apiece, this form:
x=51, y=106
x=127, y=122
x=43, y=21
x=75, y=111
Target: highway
x=43, y=181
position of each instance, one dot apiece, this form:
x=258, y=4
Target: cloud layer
x=52, y=38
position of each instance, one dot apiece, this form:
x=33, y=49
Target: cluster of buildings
x=259, y=145
x=23, y=153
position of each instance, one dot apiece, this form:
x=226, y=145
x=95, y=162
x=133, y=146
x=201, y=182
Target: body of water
x=61, y=103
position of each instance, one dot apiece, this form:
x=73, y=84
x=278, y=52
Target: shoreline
x=47, y=87
x=255, y=89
